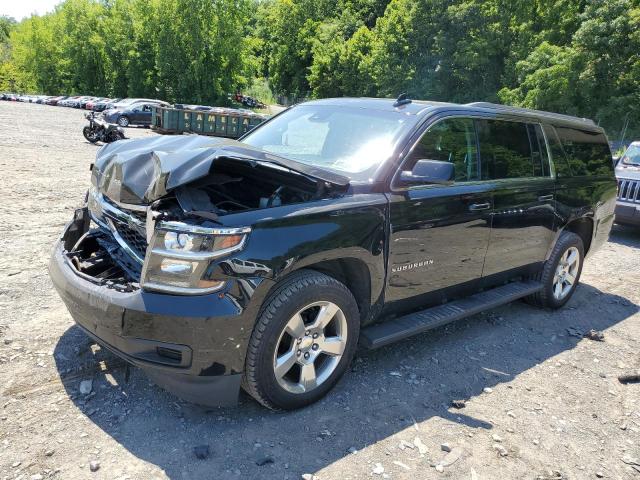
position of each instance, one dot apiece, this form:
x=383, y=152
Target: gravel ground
x=541, y=402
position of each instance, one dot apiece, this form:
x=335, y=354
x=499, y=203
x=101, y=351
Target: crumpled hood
x=143, y=170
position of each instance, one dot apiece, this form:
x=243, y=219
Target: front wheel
x=303, y=341
x=561, y=272
x=90, y=134
x=123, y=121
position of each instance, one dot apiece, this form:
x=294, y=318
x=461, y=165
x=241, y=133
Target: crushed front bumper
x=193, y=346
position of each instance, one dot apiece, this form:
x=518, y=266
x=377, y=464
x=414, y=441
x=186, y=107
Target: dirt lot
x=538, y=397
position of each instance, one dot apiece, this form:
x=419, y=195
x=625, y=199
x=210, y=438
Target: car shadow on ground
x=386, y=391
x=625, y=235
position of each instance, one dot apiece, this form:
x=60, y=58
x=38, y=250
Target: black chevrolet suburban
x=213, y=264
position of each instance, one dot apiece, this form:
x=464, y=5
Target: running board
x=400, y=328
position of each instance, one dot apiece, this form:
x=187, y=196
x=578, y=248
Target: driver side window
x=452, y=140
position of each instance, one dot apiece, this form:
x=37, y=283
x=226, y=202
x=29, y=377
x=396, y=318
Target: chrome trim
x=130, y=206
x=158, y=287
x=125, y=246
x=187, y=228
x=629, y=190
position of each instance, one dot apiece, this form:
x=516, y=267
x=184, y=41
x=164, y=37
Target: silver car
x=628, y=175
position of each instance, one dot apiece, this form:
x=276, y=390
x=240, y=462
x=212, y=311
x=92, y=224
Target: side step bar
x=384, y=333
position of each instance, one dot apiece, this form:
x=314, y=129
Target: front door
x=439, y=233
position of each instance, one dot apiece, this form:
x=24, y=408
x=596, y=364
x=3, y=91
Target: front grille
x=134, y=239
x=629, y=190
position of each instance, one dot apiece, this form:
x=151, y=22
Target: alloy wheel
x=566, y=273
x=310, y=347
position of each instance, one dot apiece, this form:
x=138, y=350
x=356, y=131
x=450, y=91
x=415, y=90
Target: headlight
x=94, y=204
x=181, y=253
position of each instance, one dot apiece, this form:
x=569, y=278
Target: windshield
x=632, y=155
x=351, y=141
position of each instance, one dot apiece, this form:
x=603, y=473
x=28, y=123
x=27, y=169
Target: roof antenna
x=403, y=99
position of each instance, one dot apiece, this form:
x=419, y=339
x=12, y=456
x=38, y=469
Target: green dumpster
x=233, y=126
x=184, y=120
x=197, y=124
x=170, y=119
x=210, y=124
x=221, y=125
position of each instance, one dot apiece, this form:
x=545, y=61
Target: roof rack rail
x=540, y=113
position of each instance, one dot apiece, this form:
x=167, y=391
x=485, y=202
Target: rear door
x=439, y=233
x=515, y=160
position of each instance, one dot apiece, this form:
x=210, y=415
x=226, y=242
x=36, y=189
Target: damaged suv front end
x=153, y=265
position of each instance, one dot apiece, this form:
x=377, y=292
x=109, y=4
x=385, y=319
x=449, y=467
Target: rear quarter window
x=587, y=153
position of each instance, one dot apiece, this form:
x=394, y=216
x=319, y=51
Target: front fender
x=285, y=239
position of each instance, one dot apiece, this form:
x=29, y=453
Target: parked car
x=104, y=104
x=628, y=174
x=69, y=101
x=135, y=114
x=53, y=101
x=83, y=103
x=214, y=263
x=127, y=102
x=90, y=104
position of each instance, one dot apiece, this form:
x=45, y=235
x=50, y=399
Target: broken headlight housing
x=179, y=255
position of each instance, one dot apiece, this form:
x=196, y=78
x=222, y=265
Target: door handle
x=474, y=207
x=545, y=198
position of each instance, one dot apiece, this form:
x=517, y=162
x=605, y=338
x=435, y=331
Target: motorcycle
x=100, y=131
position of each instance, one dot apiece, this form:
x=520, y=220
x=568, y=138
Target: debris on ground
x=201, y=451
x=378, y=469
x=94, y=465
x=594, y=335
x=630, y=377
x=575, y=332
x=552, y=475
x=458, y=404
x=503, y=452
x=422, y=448
x=86, y=386
x=264, y=461
x=632, y=462
x=452, y=457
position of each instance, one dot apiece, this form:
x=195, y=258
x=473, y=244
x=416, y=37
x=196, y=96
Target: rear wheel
x=303, y=341
x=114, y=136
x=561, y=273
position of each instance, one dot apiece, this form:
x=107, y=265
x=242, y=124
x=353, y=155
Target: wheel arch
x=354, y=274
x=583, y=227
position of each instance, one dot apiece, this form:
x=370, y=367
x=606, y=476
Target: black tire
x=302, y=288
x=115, y=136
x=545, y=297
x=90, y=134
x=123, y=121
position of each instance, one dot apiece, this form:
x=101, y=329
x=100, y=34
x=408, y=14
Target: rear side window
x=507, y=150
x=587, y=152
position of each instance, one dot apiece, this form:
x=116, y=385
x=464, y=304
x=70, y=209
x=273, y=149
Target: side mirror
x=430, y=171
